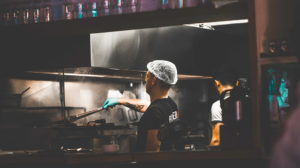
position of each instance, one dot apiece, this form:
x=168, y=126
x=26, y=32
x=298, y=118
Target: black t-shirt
x=159, y=112
x=234, y=113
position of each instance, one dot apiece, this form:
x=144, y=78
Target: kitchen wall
x=40, y=104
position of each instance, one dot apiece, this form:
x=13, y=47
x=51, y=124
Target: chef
x=226, y=81
x=161, y=75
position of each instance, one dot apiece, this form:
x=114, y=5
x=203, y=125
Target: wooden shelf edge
x=201, y=155
x=279, y=60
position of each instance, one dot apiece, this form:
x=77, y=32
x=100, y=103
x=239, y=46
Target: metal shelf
x=98, y=72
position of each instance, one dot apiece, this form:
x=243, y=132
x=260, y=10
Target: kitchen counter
x=37, y=159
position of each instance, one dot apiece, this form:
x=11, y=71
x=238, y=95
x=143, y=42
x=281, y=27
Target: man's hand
x=110, y=102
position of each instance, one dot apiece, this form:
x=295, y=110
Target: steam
x=141, y=91
x=86, y=98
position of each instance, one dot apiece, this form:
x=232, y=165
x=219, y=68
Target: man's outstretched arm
x=136, y=104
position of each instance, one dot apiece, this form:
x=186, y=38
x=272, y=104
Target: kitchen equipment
x=75, y=150
x=13, y=100
x=111, y=145
x=110, y=148
x=69, y=122
x=85, y=114
x=115, y=138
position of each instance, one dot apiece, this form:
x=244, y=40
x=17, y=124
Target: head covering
x=164, y=70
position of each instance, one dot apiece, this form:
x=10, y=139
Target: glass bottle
x=272, y=97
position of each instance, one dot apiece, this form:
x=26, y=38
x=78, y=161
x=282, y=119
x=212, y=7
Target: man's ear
x=154, y=81
x=218, y=83
x=237, y=83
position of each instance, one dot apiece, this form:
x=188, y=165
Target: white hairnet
x=163, y=70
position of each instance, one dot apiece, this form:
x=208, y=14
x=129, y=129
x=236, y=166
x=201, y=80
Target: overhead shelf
x=97, y=72
x=126, y=21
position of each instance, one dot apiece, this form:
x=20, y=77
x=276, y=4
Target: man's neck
x=157, y=93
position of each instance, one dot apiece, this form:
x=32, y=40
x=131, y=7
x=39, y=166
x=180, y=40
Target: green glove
x=110, y=102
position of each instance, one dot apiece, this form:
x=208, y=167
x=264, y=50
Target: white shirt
x=216, y=111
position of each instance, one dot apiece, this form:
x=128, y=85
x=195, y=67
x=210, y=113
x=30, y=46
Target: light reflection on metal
x=116, y=76
x=164, y=4
x=133, y=2
x=68, y=11
x=180, y=3
x=120, y=11
x=206, y=26
x=106, y=4
x=6, y=17
x=220, y=3
x=133, y=5
x=26, y=16
x=106, y=7
x=211, y=24
x=119, y=5
x=47, y=13
x=94, y=6
x=36, y=15
x=16, y=16
x=106, y=12
x=229, y=22
x=94, y=11
x=80, y=14
x=80, y=6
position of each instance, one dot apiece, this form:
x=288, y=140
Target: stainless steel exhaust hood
x=193, y=50
x=133, y=49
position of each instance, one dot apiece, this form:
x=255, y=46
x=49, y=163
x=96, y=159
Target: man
x=225, y=80
x=161, y=75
